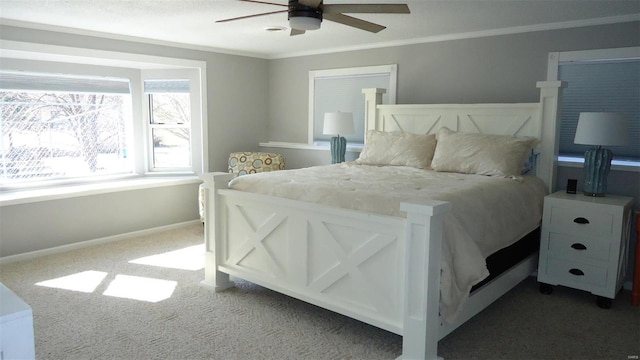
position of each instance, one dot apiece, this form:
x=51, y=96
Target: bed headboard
x=520, y=119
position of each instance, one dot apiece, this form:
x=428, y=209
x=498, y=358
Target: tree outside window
x=51, y=135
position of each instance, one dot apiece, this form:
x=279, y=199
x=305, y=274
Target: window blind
x=609, y=86
x=166, y=86
x=17, y=81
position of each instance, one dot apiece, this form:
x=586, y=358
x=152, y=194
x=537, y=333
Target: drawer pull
x=578, y=246
x=576, y=272
x=580, y=220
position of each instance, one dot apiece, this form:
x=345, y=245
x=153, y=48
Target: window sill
x=301, y=146
x=616, y=165
x=17, y=197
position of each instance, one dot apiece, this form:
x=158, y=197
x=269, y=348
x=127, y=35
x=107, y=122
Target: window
x=169, y=123
x=341, y=90
x=599, y=80
x=73, y=123
x=58, y=126
x=612, y=86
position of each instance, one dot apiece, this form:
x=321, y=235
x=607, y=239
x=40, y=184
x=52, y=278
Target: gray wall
x=489, y=69
x=236, y=88
x=46, y=224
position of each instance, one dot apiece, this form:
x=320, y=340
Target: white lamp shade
x=601, y=128
x=338, y=123
x=304, y=23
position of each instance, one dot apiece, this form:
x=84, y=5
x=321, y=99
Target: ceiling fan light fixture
x=304, y=23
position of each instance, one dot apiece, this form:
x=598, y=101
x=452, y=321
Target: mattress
x=488, y=213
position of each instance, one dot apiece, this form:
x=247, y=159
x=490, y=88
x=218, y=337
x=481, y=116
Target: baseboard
x=83, y=244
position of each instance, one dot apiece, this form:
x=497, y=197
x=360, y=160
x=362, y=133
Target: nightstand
x=584, y=244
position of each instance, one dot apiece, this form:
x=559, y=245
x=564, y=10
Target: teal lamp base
x=597, y=163
x=338, y=149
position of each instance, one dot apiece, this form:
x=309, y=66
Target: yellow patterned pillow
x=242, y=163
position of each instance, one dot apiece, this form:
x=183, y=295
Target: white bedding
x=489, y=213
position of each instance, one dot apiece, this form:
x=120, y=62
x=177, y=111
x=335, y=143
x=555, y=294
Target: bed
x=389, y=266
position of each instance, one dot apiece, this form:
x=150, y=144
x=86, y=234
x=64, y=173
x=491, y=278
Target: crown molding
x=421, y=40
x=470, y=35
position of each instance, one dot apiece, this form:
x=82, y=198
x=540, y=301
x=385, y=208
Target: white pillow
x=497, y=155
x=400, y=149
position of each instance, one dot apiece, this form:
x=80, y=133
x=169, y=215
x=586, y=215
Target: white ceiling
x=191, y=23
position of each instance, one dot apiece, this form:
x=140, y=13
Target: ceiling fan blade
x=367, y=8
x=262, y=2
x=250, y=16
x=295, y=32
x=357, y=23
x=311, y=3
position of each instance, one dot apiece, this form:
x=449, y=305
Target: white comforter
x=489, y=213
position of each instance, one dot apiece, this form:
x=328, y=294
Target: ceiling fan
x=308, y=14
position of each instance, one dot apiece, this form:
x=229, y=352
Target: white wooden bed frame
x=382, y=270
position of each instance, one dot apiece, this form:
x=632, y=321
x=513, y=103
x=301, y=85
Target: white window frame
x=557, y=58
x=43, y=58
x=392, y=70
x=196, y=119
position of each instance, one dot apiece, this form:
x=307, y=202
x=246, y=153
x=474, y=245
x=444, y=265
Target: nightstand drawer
x=578, y=221
x=563, y=245
x=573, y=274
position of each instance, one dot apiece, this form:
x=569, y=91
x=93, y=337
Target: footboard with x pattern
x=350, y=262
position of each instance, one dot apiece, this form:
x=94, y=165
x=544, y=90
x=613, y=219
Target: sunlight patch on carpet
x=86, y=281
x=189, y=258
x=140, y=288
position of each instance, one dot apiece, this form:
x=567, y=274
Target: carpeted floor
x=116, y=304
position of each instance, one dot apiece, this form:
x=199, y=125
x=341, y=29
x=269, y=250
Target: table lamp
x=599, y=129
x=336, y=123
